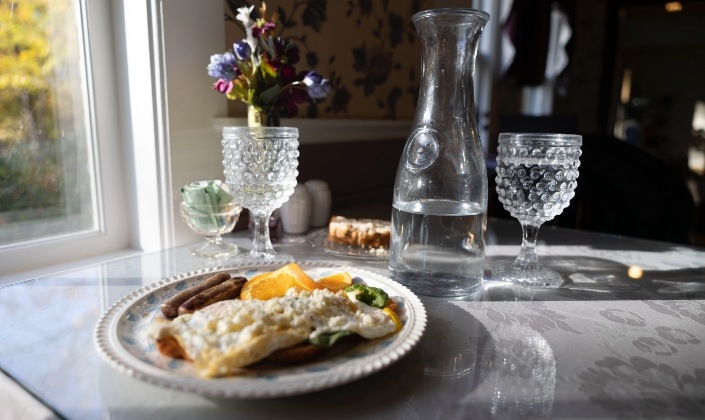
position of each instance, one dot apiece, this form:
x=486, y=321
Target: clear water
x=438, y=247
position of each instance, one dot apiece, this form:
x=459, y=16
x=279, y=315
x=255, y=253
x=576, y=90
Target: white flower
x=243, y=15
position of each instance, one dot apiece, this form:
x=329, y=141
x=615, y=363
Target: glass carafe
x=440, y=193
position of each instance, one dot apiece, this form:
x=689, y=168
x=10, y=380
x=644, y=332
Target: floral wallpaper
x=367, y=49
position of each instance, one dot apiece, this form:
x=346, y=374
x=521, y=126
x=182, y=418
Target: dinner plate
x=121, y=337
x=319, y=239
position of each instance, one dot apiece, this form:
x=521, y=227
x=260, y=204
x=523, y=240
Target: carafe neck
x=449, y=42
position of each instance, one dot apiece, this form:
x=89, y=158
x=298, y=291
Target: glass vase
x=257, y=117
x=260, y=168
x=440, y=193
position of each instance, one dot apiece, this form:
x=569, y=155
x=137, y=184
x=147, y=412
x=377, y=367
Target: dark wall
x=360, y=174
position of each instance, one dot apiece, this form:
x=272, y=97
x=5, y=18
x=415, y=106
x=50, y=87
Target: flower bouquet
x=259, y=71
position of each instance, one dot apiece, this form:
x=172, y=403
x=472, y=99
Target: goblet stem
x=527, y=257
x=216, y=240
x=525, y=269
x=215, y=247
x=261, y=243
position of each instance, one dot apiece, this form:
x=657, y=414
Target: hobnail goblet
x=536, y=178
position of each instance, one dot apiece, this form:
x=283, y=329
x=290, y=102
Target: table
x=625, y=338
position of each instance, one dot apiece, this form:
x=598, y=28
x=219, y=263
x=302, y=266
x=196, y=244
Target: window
x=47, y=185
x=60, y=156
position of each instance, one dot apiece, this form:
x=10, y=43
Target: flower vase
x=256, y=117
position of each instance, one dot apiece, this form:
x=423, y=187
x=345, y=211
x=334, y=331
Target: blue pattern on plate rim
x=132, y=325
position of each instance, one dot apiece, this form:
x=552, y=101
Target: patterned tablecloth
x=623, y=338
x=563, y=359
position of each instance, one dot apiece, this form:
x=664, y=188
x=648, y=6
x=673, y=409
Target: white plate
x=319, y=239
x=121, y=338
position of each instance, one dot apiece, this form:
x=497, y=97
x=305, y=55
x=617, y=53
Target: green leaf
x=267, y=96
x=267, y=44
x=328, y=339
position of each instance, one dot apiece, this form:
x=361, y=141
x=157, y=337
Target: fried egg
x=231, y=334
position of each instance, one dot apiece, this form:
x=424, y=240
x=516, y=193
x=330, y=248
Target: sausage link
x=170, y=307
x=297, y=354
x=229, y=289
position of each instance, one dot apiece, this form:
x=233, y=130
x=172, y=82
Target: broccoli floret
x=372, y=296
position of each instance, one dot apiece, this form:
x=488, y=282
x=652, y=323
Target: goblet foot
x=263, y=257
x=267, y=255
x=533, y=276
x=215, y=248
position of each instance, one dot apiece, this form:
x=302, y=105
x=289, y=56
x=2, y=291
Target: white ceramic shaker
x=320, y=202
x=296, y=213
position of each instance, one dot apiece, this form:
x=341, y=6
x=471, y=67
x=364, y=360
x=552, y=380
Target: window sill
x=65, y=267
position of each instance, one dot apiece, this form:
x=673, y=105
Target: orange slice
x=276, y=283
x=335, y=282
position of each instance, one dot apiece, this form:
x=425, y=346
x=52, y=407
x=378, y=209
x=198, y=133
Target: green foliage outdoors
x=34, y=53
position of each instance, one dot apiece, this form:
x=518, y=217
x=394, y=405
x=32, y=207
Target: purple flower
x=318, y=87
x=242, y=50
x=287, y=73
x=223, y=66
x=261, y=28
x=286, y=49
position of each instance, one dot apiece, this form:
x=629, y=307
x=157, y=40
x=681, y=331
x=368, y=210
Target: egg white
x=231, y=334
